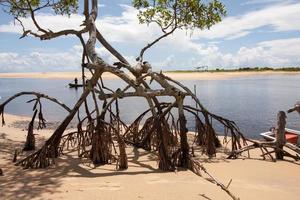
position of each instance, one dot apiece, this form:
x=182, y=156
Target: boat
x=73, y=85
x=291, y=136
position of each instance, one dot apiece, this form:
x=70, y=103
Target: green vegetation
x=25, y=8
x=182, y=14
x=244, y=69
x=171, y=15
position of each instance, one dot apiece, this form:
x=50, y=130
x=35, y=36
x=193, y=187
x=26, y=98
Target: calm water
x=252, y=102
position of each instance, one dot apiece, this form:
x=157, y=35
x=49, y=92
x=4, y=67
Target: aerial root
x=40, y=159
x=264, y=146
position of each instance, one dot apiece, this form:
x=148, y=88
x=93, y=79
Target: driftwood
x=277, y=146
x=280, y=134
x=197, y=168
x=295, y=108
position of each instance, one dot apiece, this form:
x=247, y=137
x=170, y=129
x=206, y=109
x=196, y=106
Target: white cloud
x=275, y=53
x=125, y=29
x=167, y=64
x=238, y=35
x=47, y=21
x=249, y=2
x=101, y=5
x=40, y=61
x=122, y=28
x=281, y=17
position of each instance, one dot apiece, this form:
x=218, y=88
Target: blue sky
x=255, y=33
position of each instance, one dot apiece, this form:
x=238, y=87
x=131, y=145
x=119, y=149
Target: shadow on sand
x=38, y=183
x=17, y=183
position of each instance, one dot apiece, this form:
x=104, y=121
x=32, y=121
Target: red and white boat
x=291, y=136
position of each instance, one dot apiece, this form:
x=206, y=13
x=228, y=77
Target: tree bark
x=100, y=151
x=184, y=146
x=280, y=134
x=30, y=139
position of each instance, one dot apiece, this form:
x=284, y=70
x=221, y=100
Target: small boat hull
x=72, y=85
x=291, y=136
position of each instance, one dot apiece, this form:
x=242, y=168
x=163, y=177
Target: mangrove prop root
x=277, y=146
x=101, y=145
x=30, y=139
x=155, y=129
x=265, y=146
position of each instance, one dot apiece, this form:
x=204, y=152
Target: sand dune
x=73, y=178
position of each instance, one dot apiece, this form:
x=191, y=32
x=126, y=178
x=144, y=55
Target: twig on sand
x=204, y=196
x=196, y=167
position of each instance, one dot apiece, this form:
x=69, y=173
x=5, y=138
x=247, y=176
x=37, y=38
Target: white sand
x=73, y=178
x=175, y=75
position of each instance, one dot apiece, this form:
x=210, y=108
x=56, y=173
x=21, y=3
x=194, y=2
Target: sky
x=255, y=33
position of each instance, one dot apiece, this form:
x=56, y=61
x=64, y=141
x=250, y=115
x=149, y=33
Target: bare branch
x=38, y=95
x=140, y=58
x=112, y=50
x=33, y=18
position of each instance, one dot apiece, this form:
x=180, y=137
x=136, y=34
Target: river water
x=252, y=102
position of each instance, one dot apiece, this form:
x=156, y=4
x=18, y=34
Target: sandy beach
x=150, y=100
x=73, y=178
x=175, y=75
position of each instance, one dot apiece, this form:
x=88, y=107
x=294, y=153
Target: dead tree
x=280, y=146
x=295, y=108
x=280, y=134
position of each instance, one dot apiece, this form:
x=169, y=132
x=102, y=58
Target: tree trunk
x=210, y=141
x=184, y=146
x=165, y=163
x=100, y=151
x=123, y=163
x=30, y=139
x=280, y=134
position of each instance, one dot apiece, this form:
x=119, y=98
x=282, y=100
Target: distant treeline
x=269, y=69
x=287, y=69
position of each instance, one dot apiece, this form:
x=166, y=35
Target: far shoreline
x=178, y=75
